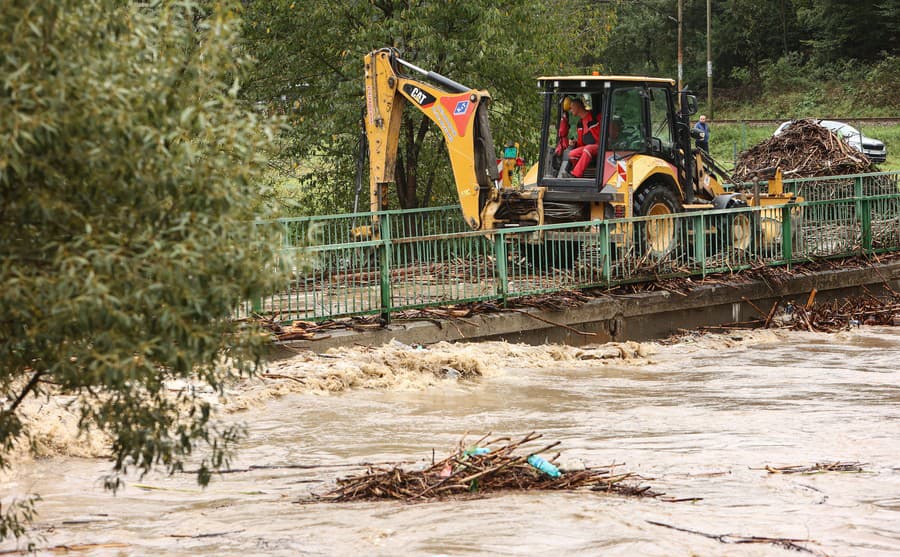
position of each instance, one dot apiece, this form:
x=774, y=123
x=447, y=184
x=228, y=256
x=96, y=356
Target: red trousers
x=581, y=157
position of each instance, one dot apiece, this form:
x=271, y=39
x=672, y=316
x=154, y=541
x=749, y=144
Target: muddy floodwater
x=699, y=419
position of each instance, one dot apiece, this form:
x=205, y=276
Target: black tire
x=737, y=231
x=657, y=238
x=734, y=234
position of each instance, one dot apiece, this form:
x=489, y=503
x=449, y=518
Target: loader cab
x=636, y=117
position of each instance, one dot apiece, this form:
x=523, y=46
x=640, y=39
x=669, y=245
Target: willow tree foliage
x=128, y=175
x=311, y=67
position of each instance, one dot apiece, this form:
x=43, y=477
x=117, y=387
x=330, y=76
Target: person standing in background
x=703, y=128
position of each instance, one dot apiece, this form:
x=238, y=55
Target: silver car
x=872, y=148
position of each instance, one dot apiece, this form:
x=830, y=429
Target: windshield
x=846, y=130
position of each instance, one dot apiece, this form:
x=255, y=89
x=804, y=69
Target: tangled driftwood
x=803, y=149
x=828, y=317
x=485, y=466
x=817, y=468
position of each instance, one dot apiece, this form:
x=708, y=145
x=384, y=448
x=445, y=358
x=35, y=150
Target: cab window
x=660, y=119
x=626, y=128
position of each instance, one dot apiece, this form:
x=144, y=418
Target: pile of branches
x=487, y=466
x=828, y=317
x=804, y=149
x=312, y=330
x=839, y=315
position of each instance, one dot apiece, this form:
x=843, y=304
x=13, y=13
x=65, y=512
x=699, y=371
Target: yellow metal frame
x=387, y=92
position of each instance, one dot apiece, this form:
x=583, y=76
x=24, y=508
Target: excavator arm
x=459, y=112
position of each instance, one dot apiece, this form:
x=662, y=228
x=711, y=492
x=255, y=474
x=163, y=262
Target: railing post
x=256, y=302
x=384, y=224
x=501, y=274
x=787, y=235
x=864, y=210
x=605, y=253
x=286, y=235
x=863, y=215
x=697, y=222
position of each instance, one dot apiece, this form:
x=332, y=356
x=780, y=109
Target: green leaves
x=128, y=173
x=15, y=518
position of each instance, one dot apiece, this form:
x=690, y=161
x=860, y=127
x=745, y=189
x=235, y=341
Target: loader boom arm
x=459, y=112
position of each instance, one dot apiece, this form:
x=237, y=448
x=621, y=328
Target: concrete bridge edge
x=643, y=316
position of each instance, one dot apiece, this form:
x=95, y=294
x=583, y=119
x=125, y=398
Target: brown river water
x=699, y=419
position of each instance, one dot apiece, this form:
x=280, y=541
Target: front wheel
x=658, y=237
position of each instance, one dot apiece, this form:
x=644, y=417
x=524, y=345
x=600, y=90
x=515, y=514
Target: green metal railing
x=355, y=264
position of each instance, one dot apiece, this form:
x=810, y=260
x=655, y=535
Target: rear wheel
x=736, y=231
x=740, y=231
x=657, y=237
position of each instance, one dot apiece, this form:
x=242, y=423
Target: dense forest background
x=770, y=58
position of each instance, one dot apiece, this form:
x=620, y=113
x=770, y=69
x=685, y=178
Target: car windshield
x=846, y=130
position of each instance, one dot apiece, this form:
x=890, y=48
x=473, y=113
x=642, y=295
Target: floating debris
x=818, y=468
x=486, y=466
x=792, y=544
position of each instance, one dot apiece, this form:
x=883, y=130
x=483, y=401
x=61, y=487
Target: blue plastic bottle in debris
x=544, y=466
x=477, y=451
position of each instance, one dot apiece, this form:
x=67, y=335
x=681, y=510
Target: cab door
x=640, y=122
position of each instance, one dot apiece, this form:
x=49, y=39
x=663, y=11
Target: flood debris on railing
x=320, y=330
x=774, y=277
x=840, y=315
x=555, y=301
x=316, y=330
x=827, y=317
x=831, y=317
x=488, y=465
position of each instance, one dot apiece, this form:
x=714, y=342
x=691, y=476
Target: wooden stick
x=576, y=331
x=811, y=299
x=789, y=543
x=754, y=306
x=771, y=315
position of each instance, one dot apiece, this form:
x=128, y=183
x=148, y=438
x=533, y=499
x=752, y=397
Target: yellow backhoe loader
x=647, y=165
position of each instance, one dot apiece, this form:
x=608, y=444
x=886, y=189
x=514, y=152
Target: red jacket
x=588, y=131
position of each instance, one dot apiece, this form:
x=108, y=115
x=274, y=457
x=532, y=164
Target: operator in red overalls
x=588, y=141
